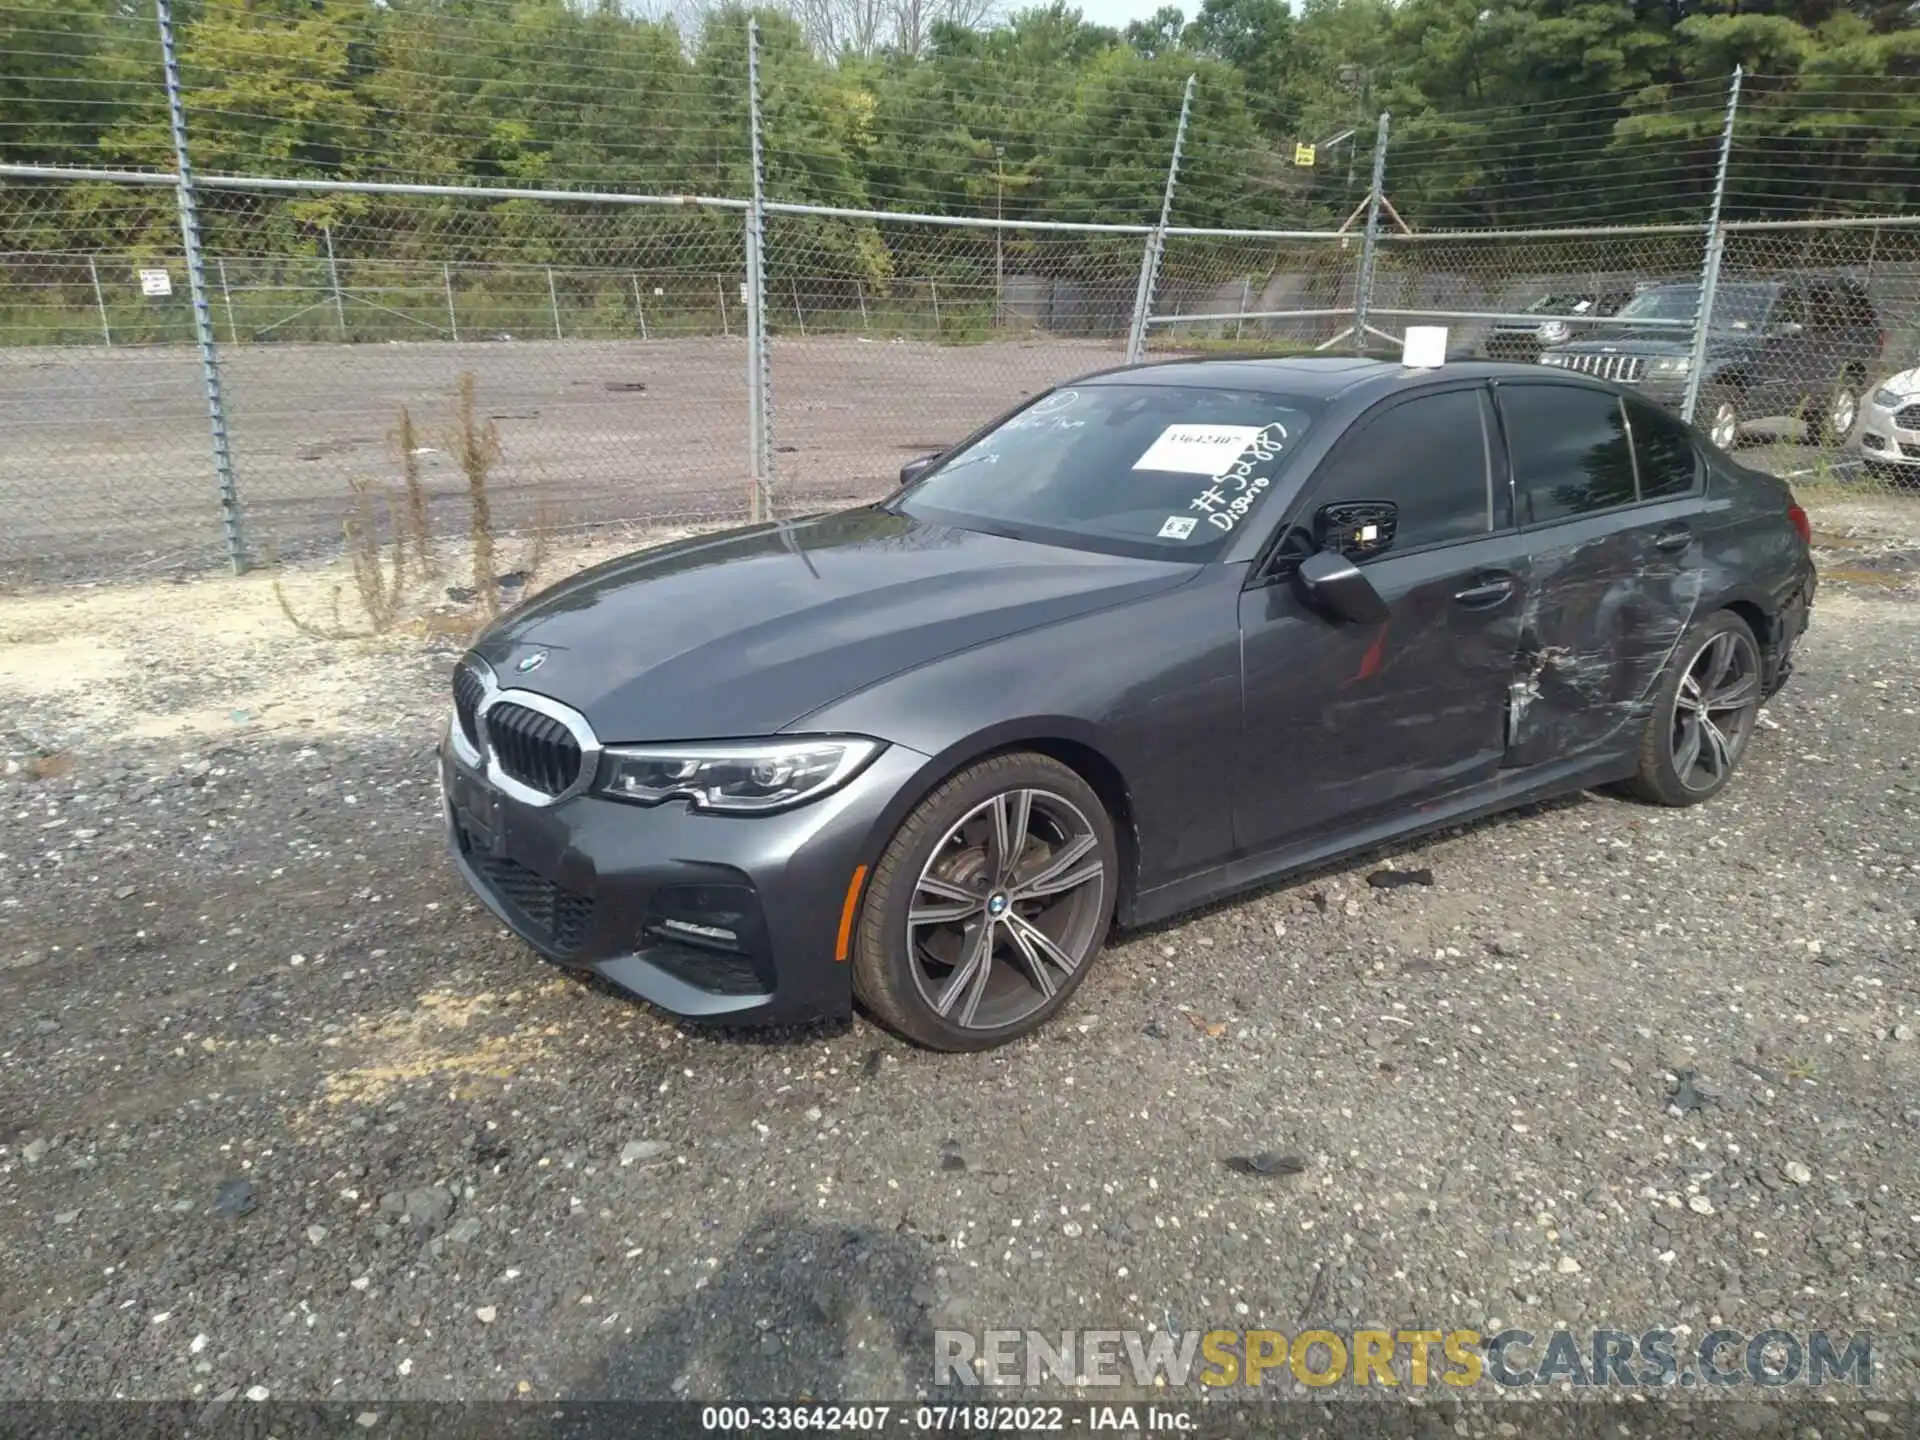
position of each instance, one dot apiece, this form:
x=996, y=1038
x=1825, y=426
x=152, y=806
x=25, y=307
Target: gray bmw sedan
x=1159, y=635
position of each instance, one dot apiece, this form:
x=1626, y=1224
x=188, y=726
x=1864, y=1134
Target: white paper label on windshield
x=1196, y=449
x=1178, y=527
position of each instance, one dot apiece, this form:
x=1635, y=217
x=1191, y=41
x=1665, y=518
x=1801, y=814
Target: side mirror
x=1335, y=585
x=1357, y=529
x=914, y=469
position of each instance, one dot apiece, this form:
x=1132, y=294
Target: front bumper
x=1881, y=440
x=718, y=917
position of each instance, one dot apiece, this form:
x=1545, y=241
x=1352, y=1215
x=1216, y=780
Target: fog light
x=700, y=932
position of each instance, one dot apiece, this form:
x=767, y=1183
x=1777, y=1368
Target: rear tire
x=1831, y=421
x=988, y=906
x=1704, y=713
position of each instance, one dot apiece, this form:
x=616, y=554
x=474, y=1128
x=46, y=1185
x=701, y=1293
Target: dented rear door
x=1616, y=574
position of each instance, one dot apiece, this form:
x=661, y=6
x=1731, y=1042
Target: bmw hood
x=746, y=632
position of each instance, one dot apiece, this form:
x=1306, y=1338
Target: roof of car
x=1319, y=377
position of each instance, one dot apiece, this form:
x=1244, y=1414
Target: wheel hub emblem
x=996, y=905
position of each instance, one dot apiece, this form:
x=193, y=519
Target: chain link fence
x=889, y=339
x=608, y=344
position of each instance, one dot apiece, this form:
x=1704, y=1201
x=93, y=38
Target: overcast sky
x=1118, y=12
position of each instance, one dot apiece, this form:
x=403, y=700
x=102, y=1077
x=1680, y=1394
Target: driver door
x=1343, y=723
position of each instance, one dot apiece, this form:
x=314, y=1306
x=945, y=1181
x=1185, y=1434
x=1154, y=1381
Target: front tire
x=1720, y=417
x=988, y=906
x=1704, y=713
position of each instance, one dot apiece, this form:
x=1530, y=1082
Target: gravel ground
x=283, y=1108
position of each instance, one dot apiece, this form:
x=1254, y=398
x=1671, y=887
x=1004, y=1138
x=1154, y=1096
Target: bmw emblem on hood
x=532, y=662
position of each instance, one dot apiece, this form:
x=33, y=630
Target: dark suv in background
x=1545, y=325
x=1802, y=347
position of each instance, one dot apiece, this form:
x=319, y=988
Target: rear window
x=1162, y=471
x=1668, y=462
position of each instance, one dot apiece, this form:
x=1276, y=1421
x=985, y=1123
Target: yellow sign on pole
x=1303, y=154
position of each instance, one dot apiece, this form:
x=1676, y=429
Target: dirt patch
x=442, y=1039
x=216, y=655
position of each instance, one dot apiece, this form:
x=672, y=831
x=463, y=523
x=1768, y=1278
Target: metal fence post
x=553, y=303
x=639, y=310
x=197, y=290
x=1363, y=286
x=100, y=302
x=1157, y=238
x=1710, y=265
x=759, y=377
x=333, y=276
x=720, y=289
x=453, y=318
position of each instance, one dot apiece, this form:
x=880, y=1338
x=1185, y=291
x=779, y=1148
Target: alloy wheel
x=1714, y=710
x=1008, y=907
x=1726, y=425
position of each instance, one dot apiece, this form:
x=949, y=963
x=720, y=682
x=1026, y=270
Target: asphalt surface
x=284, y=1111
x=108, y=470
x=108, y=467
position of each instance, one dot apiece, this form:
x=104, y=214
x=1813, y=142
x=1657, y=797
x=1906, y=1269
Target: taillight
x=1800, y=521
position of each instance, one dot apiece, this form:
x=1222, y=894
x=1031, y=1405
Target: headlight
x=1670, y=365
x=1555, y=330
x=1560, y=360
x=1888, y=399
x=747, y=776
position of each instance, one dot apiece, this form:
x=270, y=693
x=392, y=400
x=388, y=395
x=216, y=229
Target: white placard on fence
x=155, y=282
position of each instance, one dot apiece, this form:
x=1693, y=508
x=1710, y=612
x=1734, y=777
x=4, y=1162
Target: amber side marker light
x=846, y=912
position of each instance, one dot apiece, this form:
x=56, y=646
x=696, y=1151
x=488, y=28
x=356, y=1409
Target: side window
x=1570, y=451
x=1669, y=463
x=1789, y=308
x=1429, y=457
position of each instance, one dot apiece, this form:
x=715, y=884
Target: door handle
x=1677, y=538
x=1493, y=587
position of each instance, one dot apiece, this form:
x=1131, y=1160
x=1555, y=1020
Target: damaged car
x=1153, y=638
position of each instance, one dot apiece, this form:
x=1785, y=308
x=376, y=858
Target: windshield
x=1161, y=471
x=1735, y=307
